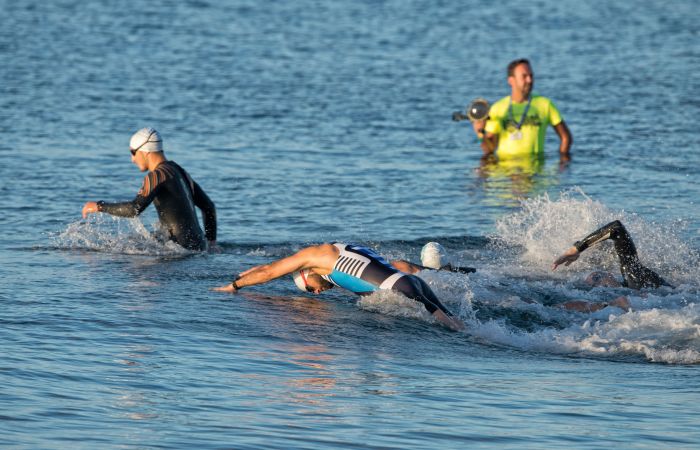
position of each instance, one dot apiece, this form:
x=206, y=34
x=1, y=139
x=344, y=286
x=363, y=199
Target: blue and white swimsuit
x=362, y=271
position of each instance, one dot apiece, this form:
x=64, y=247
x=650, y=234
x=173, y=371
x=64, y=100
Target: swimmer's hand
x=89, y=208
x=567, y=258
x=228, y=288
x=478, y=126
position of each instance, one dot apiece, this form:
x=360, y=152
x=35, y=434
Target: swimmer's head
x=433, y=256
x=308, y=281
x=146, y=140
x=600, y=278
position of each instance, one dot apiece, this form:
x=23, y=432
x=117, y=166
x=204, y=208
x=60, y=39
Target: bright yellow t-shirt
x=530, y=139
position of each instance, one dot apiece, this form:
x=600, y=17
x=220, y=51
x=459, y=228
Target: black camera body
x=478, y=109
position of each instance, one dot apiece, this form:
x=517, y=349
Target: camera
x=478, y=109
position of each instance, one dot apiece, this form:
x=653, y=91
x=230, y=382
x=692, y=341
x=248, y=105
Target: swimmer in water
x=355, y=268
x=634, y=274
x=172, y=190
x=433, y=256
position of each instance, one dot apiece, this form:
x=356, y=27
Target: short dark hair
x=516, y=63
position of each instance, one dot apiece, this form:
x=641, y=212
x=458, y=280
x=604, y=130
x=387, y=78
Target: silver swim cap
x=433, y=255
x=146, y=140
x=300, y=277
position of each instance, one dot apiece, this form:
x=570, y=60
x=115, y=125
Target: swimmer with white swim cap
x=173, y=191
x=433, y=256
x=352, y=267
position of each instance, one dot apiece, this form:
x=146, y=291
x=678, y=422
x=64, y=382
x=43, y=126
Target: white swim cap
x=146, y=140
x=300, y=277
x=433, y=255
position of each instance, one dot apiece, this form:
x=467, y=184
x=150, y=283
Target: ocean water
x=313, y=121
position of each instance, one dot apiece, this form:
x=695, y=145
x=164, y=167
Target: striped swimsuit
x=362, y=271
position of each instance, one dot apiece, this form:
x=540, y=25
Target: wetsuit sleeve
x=636, y=276
x=136, y=206
x=203, y=202
x=613, y=230
x=457, y=269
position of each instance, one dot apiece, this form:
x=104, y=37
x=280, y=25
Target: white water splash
x=110, y=234
x=545, y=228
x=516, y=300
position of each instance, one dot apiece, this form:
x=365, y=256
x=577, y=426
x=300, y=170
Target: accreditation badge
x=518, y=135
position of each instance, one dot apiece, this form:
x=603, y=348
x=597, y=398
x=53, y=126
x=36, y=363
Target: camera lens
x=478, y=109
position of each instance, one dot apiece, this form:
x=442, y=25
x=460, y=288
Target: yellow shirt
x=529, y=140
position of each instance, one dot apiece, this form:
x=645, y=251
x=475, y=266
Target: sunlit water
x=308, y=122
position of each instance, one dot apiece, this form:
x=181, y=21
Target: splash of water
x=110, y=234
x=516, y=300
x=545, y=228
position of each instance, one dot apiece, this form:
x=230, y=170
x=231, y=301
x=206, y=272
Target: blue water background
x=312, y=121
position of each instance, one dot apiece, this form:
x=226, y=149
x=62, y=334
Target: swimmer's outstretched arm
x=569, y=256
x=133, y=208
x=121, y=209
x=621, y=302
x=315, y=257
x=610, y=230
x=409, y=267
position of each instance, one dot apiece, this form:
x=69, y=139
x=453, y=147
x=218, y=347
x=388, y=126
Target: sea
x=313, y=121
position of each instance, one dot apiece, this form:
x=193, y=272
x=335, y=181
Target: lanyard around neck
x=510, y=112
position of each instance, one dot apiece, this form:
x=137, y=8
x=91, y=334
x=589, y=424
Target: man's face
x=600, y=278
x=139, y=158
x=316, y=284
x=522, y=79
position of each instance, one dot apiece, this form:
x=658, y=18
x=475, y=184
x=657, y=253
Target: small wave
x=102, y=233
x=514, y=299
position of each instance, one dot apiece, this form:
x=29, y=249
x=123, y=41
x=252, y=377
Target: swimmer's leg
x=416, y=289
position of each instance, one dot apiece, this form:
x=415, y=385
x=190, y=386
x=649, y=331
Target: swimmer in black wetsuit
x=634, y=274
x=172, y=190
x=355, y=268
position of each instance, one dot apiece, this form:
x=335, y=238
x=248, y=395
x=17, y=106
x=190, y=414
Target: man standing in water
x=172, y=190
x=357, y=269
x=517, y=124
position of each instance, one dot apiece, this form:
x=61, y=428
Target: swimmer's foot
x=621, y=302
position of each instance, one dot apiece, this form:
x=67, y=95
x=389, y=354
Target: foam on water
x=516, y=296
x=104, y=233
x=514, y=299
x=544, y=228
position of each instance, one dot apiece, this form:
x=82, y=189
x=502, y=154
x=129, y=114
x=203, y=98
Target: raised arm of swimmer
x=634, y=274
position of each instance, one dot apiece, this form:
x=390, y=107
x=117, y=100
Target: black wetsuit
x=635, y=275
x=175, y=195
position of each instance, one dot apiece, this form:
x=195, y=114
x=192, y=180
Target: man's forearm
x=489, y=144
x=565, y=138
x=121, y=209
